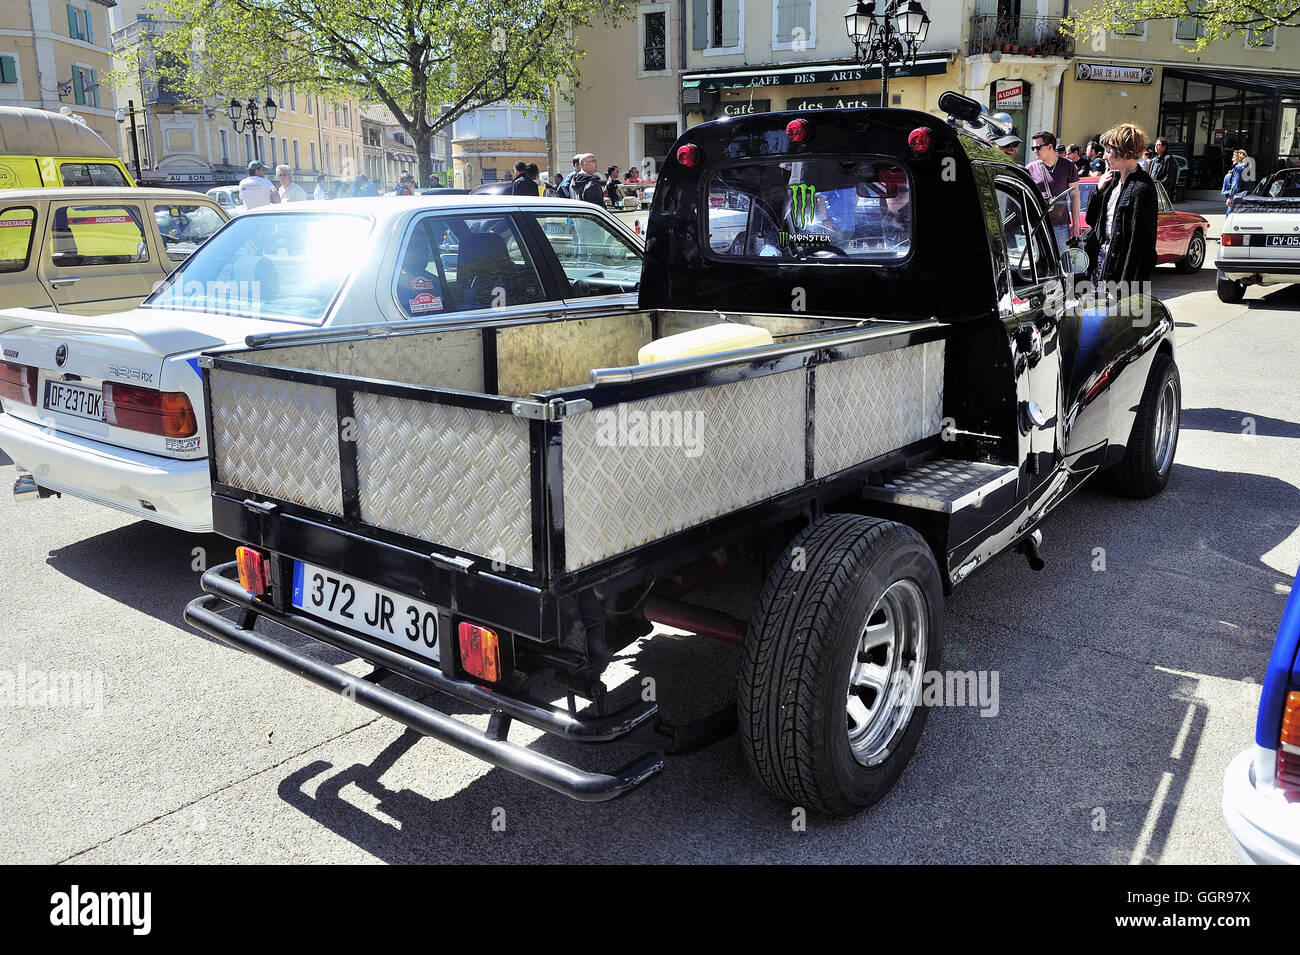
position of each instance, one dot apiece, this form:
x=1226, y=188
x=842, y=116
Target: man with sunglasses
x=1056, y=175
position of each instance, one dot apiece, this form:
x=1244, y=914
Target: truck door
x=1031, y=302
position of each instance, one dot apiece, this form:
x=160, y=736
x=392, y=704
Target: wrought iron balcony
x=1018, y=35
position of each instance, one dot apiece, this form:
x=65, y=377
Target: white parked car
x=110, y=408
x=228, y=198
x=1260, y=241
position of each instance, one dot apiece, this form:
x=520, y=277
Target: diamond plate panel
x=453, y=476
x=944, y=485
x=871, y=405
x=630, y=480
x=278, y=438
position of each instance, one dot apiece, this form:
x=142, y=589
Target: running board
x=945, y=486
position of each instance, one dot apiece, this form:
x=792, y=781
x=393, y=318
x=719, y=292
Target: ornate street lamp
x=246, y=117
x=892, y=36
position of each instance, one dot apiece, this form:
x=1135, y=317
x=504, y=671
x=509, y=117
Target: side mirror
x=1075, y=262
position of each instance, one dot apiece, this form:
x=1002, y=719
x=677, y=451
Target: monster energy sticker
x=803, y=200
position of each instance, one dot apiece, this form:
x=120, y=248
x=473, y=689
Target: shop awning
x=933, y=65
x=1270, y=83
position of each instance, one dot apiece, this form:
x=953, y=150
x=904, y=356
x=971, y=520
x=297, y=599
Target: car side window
x=1015, y=233
x=109, y=234
x=17, y=224
x=459, y=263
x=595, y=259
x=185, y=227
x=1162, y=199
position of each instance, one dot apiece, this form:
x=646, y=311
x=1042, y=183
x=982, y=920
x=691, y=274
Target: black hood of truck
x=948, y=275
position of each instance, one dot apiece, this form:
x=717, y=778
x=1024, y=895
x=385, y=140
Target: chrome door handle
x=55, y=283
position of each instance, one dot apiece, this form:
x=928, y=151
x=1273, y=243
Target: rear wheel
x=830, y=684
x=1195, y=257
x=1149, y=458
x=1230, y=291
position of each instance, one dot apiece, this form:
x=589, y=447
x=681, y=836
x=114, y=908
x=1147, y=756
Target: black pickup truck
x=858, y=372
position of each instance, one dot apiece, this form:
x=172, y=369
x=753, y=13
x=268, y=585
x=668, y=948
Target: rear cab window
x=858, y=208
x=91, y=174
x=97, y=234
x=184, y=227
x=17, y=226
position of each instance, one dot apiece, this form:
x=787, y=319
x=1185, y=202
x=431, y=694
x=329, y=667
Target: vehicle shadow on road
x=1223, y=421
x=1286, y=298
x=5, y=460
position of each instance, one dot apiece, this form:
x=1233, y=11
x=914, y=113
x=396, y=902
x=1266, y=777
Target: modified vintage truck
x=494, y=508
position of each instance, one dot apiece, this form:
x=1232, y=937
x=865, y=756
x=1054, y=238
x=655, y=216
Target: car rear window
x=108, y=234
x=281, y=266
x=858, y=208
x=91, y=174
x=16, y=226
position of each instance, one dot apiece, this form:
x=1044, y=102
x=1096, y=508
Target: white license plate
x=372, y=611
x=74, y=400
x=1282, y=241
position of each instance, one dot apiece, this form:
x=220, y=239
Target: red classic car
x=1180, y=236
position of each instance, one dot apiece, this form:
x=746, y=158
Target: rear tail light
x=254, y=569
x=1288, y=747
x=919, y=140
x=688, y=155
x=480, y=651
x=798, y=130
x=18, y=382
x=1232, y=238
x=168, y=413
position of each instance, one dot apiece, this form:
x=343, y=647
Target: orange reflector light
x=253, y=570
x=1231, y=238
x=480, y=652
x=1288, y=746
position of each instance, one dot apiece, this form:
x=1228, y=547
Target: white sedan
x=110, y=408
x=1260, y=241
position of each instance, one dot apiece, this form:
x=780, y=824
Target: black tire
x=1229, y=291
x=1147, y=463
x=1191, y=263
x=804, y=641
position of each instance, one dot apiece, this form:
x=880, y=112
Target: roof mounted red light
x=688, y=155
x=919, y=140
x=798, y=130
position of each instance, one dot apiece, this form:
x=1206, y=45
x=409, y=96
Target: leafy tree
x=413, y=56
x=1218, y=19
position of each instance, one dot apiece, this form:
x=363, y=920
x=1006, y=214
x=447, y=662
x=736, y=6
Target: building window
x=347, y=123
x=654, y=49
x=85, y=86
x=794, y=24
x=1261, y=39
x=81, y=26
x=273, y=159
x=310, y=100
x=261, y=146
x=311, y=147
x=248, y=148
x=293, y=100
x=8, y=69
x=336, y=116
x=284, y=152
x=726, y=25
x=225, y=147
x=295, y=155
x=1190, y=29
x=1133, y=31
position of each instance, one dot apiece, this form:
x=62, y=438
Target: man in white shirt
x=290, y=191
x=321, y=192
x=256, y=190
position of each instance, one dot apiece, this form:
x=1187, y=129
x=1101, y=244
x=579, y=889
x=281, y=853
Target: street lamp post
x=245, y=117
x=896, y=34
x=135, y=142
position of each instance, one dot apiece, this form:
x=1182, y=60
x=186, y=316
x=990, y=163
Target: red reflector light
x=253, y=570
x=18, y=382
x=1288, y=746
x=480, y=652
x=919, y=140
x=688, y=155
x=1231, y=238
x=798, y=130
x=168, y=413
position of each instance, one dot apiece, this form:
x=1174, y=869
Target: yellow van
x=41, y=149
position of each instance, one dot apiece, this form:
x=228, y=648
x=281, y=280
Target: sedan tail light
x=1233, y=238
x=1288, y=747
x=18, y=382
x=168, y=413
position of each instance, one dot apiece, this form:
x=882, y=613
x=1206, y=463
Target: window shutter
x=94, y=82
x=730, y=23
x=699, y=24
x=72, y=22
x=8, y=70
x=90, y=27
x=78, y=93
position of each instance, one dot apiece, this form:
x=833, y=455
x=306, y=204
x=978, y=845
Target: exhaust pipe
x=26, y=488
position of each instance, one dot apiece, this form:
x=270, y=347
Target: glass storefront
x=1207, y=115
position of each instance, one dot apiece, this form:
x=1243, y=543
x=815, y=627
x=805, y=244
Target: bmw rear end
x=1261, y=791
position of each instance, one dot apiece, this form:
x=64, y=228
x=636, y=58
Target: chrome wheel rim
x=886, y=673
x=1166, y=426
x=1196, y=254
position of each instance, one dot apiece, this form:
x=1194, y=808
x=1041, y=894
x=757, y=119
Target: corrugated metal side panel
x=871, y=405
x=642, y=470
x=452, y=476
x=278, y=438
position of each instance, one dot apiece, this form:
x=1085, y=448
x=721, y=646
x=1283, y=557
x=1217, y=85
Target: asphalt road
x=1124, y=691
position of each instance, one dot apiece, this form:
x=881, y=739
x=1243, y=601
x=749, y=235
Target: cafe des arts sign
x=1114, y=74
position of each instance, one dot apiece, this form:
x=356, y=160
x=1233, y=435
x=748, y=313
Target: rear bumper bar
x=223, y=593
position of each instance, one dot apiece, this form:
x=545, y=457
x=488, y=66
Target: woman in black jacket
x=1122, y=213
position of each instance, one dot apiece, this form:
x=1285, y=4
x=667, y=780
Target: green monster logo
x=803, y=197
